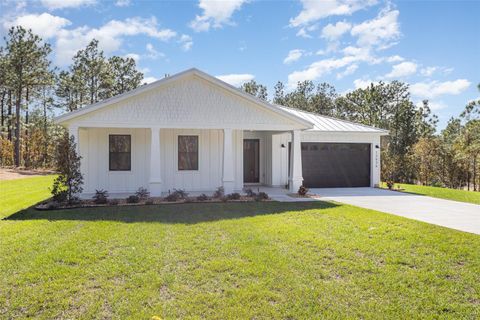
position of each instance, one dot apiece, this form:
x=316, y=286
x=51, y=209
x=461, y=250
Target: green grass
x=442, y=193
x=22, y=193
x=234, y=261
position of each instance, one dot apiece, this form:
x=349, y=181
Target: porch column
x=228, y=177
x=73, y=131
x=155, y=182
x=295, y=179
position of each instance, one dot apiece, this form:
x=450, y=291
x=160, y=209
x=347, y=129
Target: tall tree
x=279, y=94
x=91, y=66
x=255, y=89
x=126, y=77
x=28, y=67
x=309, y=97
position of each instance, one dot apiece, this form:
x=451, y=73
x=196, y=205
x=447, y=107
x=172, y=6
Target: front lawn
x=22, y=193
x=234, y=261
x=443, y=193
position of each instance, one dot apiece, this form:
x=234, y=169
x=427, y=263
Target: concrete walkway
x=452, y=214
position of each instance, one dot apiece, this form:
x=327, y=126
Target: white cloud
x=395, y=58
x=235, y=79
x=334, y=31
x=186, y=42
x=62, y=4
x=152, y=53
x=432, y=89
x=348, y=71
x=352, y=55
x=363, y=84
x=215, y=14
x=433, y=105
x=381, y=31
x=122, y=3
x=110, y=36
x=428, y=71
x=318, y=69
x=402, y=69
x=293, y=55
x=149, y=80
x=314, y=10
x=304, y=32
x=45, y=24
x=134, y=56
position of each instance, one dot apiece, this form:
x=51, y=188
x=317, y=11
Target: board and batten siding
x=93, y=148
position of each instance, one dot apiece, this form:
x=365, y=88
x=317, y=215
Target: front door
x=251, y=161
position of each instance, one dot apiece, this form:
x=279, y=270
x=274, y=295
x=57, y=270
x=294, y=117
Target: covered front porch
x=227, y=157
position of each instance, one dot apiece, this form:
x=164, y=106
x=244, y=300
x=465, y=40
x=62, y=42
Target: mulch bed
x=52, y=205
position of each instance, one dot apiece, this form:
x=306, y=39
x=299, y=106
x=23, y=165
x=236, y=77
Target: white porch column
x=155, y=182
x=73, y=131
x=295, y=180
x=228, y=177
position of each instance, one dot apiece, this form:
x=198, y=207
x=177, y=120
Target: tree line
x=31, y=89
x=413, y=152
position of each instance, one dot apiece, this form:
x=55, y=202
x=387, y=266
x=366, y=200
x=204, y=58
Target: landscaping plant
x=69, y=182
x=101, y=196
x=302, y=191
x=142, y=193
x=219, y=193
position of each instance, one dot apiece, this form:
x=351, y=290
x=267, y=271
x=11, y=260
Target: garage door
x=330, y=165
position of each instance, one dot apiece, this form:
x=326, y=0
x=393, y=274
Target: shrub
x=203, y=197
x=249, y=192
x=172, y=197
x=219, y=193
x=390, y=184
x=149, y=201
x=233, y=196
x=142, y=193
x=302, y=191
x=261, y=196
x=113, y=202
x=180, y=193
x=133, y=199
x=70, y=179
x=59, y=195
x=100, y=196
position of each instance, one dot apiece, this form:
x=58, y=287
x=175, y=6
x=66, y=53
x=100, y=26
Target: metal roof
x=326, y=123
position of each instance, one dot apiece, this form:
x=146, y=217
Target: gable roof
x=213, y=80
x=326, y=123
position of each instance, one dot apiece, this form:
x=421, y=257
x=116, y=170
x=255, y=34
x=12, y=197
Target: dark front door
x=251, y=161
x=334, y=165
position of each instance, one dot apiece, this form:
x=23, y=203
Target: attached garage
x=335, y=165
x=338, y=153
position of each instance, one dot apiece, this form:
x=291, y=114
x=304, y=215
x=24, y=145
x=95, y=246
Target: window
x=120, y=147
x=187, y=152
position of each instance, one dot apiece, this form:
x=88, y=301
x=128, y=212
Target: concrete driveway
x=452, y=214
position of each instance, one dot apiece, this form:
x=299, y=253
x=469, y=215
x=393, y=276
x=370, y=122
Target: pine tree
x=27, y=67
x=126, y=77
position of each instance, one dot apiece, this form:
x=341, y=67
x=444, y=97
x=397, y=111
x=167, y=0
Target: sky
x=434, y=46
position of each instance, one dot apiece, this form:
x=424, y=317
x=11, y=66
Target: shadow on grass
x=188, y=213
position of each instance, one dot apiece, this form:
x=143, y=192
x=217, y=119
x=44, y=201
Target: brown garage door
x=333, y=165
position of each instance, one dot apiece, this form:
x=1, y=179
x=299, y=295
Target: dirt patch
x=19, y=173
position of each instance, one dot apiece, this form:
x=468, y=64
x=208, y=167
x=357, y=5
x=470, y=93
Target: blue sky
x=432, y=45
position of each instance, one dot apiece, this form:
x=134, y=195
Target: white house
x=195, y=132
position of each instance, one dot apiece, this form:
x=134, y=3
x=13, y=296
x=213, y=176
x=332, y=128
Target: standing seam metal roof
x=325, y=123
